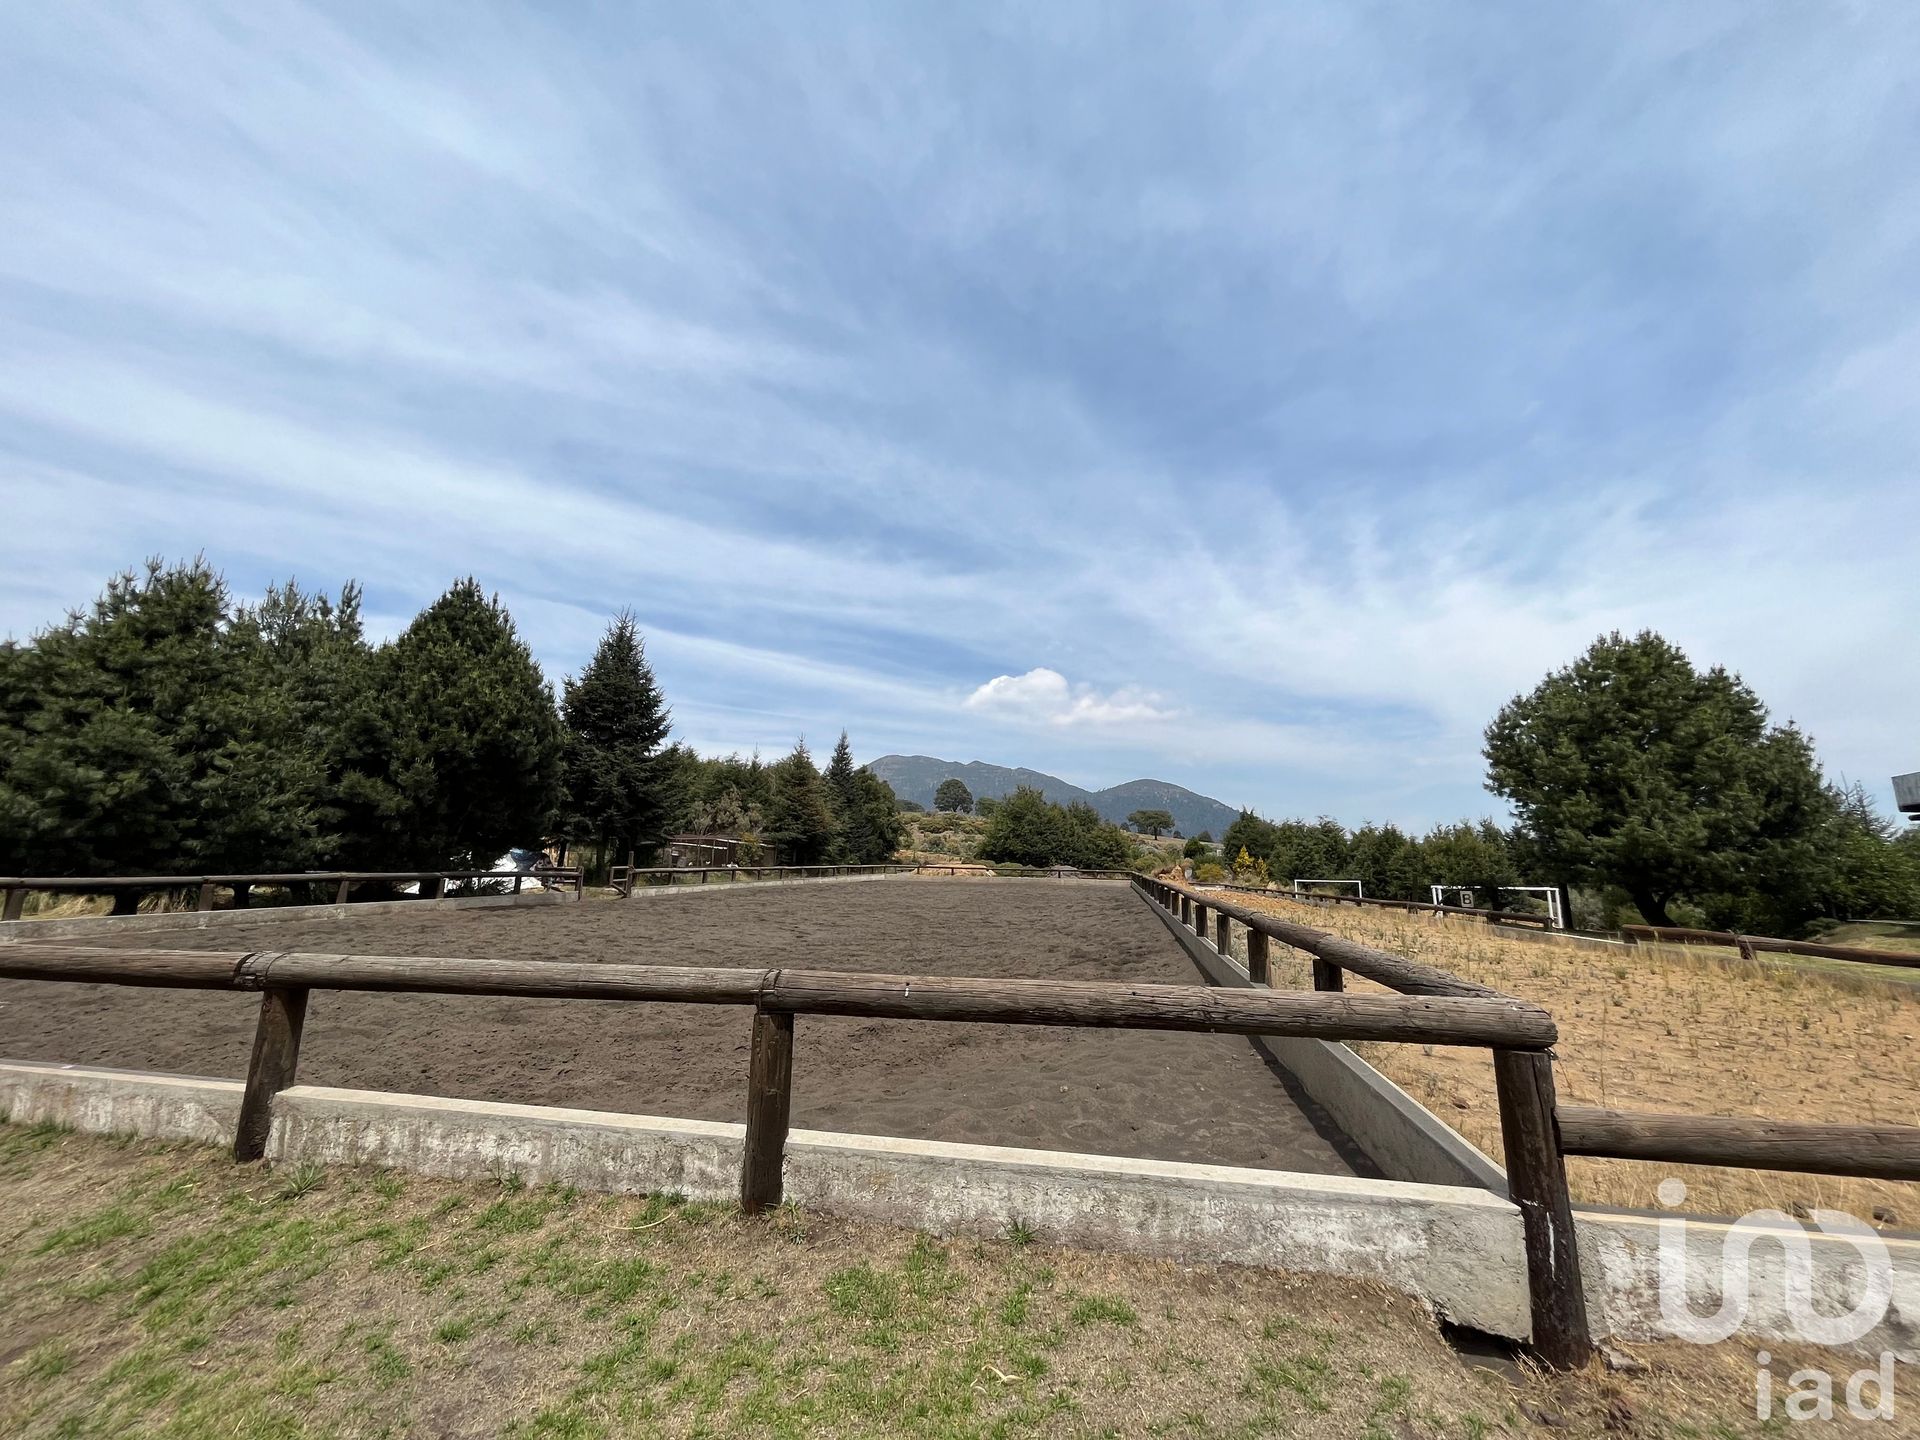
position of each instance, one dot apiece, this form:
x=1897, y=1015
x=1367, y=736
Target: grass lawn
x=148, y=1289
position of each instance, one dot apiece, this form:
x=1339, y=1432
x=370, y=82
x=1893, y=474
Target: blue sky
x=1248, y=397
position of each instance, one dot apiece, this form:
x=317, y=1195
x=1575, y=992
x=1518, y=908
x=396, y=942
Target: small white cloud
x=1043, y=696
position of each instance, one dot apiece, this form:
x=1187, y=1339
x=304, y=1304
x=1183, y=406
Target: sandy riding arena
x=1159, y=1096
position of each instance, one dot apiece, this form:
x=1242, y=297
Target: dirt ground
x=1665, y=1028
x=1159, y=1096
x=150, y=1289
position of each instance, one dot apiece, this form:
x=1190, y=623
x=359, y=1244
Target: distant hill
x=916, y=777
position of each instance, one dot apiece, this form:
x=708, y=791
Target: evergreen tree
x=150, y=736
x=620, y=783
x=879, y=832
x=474, y=743
x=103, y=723
x=843, y=799
x=799, y=822
x=275, y=799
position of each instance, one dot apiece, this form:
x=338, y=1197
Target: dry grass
x=1664, y=1028
x=161, y=1290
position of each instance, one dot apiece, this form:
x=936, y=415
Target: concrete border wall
x=1457, y=1247
x=1399, y=1134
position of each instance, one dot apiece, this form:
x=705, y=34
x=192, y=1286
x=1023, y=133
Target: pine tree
x=140, y=738
x=799, y=822
x=474, y=742
x=843, y=798
x=622, y=793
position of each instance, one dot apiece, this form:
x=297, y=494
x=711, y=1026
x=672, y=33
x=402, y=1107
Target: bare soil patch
x=1158, y=1096
x=1662, y=1028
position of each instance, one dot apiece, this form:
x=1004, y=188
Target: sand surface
x=1162, y=1096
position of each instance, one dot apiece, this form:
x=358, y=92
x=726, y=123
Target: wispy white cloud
x=1301, y=386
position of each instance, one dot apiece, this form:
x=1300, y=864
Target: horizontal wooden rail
x=103, y=883
x=1394, y=971
x=1523, y=1080
x=1874, y=1152
x=1519, y=1034
x=433, y=883
x=1512, y=1024
x=1751, y=945
x=674, y=871
x=1502, y=917
x=1025, y=872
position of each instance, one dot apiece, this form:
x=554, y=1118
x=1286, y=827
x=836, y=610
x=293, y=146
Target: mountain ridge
x=916, y=777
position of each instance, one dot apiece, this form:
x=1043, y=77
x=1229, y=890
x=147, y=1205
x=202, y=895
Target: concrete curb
x=1399, y=1134
x=1457, y=1247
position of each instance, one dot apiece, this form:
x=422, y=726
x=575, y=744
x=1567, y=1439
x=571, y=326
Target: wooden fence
x=1497, y=917
x=1515, y=1030
x=1751, y=945
x=433, y=884
x=1523, y=1076
x=1535, y=1152
x=625, y=879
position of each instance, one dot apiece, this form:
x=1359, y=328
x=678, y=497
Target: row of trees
x=1643, y=782
x=1025, y=828
x=1390, y=863
x=169, y=729
x=844, y=816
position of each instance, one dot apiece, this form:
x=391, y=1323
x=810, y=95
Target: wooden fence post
x=16, y=902
x=1222, y=933
x=205, y=900
x=769, y=1102
x=1327, y=975
x=1537, y=1182
x=1199, y=919
x=340, y=891
x=276, y=1058
x=1258, y=966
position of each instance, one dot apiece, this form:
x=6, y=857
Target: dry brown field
x=1665, y=1028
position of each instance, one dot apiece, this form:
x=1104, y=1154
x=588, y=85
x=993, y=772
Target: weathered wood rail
x=1751, y=945
x=14, y=889
x=625, y=879
x=1873, y=1152
x=1523, y=1076
x=1495, y=917
x=1538, y=1133
x=777, y=996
